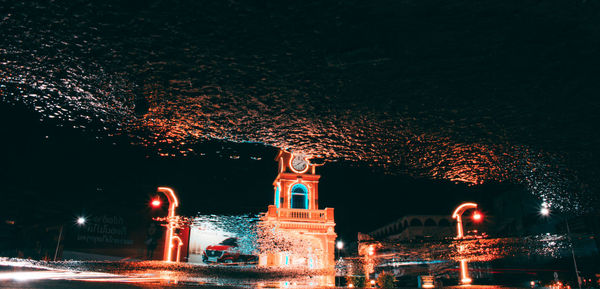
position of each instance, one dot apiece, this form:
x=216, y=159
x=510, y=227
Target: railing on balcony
x=301, y=214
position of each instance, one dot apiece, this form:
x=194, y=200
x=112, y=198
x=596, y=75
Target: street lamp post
x=573, y=254
x=339, y=246
x=58, y=242
x=172, y=220
x=80, y=222
x=464, y=266
x=545, y=211
x=369, y=264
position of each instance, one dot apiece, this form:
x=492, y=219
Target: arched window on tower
x=299, y=197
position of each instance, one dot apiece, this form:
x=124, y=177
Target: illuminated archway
x=299, y=198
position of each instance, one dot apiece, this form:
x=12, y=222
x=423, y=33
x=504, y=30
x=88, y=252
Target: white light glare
x=80, y=221
x=545, y=211
x=339, y=245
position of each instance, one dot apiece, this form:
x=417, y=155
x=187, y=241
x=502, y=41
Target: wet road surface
x=22, y=274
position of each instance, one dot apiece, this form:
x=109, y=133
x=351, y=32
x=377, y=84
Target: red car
x=225, y=252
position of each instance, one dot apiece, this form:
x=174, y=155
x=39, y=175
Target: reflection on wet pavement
x=20, y=273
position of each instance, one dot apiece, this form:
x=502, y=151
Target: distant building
x=416, y=227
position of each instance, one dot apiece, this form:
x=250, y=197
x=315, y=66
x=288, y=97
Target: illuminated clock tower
x=295, y=211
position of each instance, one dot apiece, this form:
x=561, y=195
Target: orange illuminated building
x=296, y=212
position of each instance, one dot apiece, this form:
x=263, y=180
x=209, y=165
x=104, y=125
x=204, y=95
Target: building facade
x=417, y=227
x=295, y=214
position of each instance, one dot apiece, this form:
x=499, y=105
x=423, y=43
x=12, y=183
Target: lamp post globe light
x=477, y=217
x=339, y=245
x=155, y=203
x=545, y=212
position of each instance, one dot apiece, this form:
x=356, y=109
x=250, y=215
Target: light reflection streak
x=155, y=272
x=65, y=275
x=393, y=256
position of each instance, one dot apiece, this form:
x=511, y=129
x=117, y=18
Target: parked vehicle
x=226, y=252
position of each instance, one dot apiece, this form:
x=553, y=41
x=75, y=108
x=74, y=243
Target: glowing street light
x=477, y=216
x=171, y=225
x=464, y=266
x=371, y=250
x=458, y=216
x=81, y=221
x=155, y=203
x=369, y=259
x=545, y=212
x=339, y=245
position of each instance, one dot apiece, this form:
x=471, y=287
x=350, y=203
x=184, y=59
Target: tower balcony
x=317, y=216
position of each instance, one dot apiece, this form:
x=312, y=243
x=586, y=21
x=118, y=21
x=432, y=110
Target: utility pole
x=573, y=253
x=58, y=242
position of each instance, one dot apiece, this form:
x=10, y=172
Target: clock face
x=299, y=163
